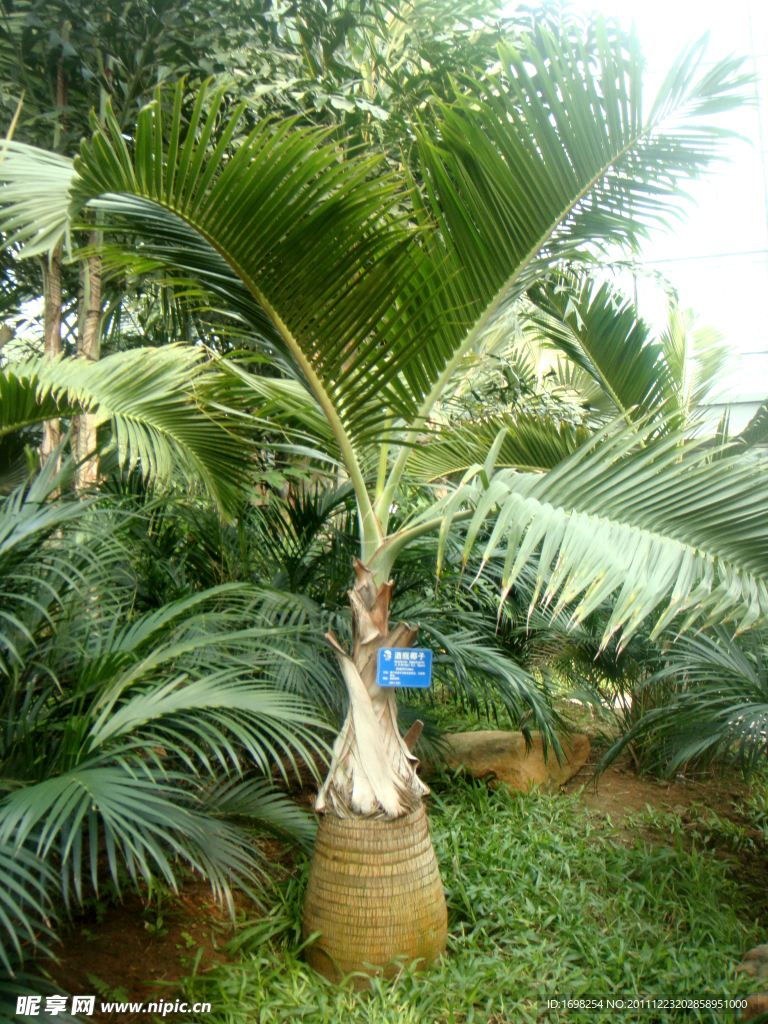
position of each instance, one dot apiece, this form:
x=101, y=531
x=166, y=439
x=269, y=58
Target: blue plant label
x=404, y=666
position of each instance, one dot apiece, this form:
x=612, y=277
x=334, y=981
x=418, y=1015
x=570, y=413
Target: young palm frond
x=600, y=332
x=530, y=444
x=698, y=358
x=612, y=349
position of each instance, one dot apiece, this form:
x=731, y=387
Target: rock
x=755, y=963
x=502, y=757
x=757, y=1004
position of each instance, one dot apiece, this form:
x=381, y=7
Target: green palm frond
x=140, y=758
x=38, y=208
x=600, y=332
x=159, y=404
x=142, y=815
x=26, y=908
x=286, y=405
x=293, y=260
x=155, y=735
x=630, y=513
x=518, y=176
x=582, y=388
x=139, y=770
x=258, y=802
x=717, y=703
x=23, y=405
x=528, y=443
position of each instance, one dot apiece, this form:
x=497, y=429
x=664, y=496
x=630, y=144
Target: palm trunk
x=88, y=347
x=373, y=771
x=374, y=888
x=51, y=337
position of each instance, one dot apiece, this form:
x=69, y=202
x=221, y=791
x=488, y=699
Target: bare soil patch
x=620, y=790
x=620, y=794
x=137, y=950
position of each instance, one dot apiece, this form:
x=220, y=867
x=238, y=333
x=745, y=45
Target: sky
x=718, y=258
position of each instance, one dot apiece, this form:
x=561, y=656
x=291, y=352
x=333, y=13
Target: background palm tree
x=130, y=743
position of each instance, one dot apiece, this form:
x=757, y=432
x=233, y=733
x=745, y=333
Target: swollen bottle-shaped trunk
x=374, y=893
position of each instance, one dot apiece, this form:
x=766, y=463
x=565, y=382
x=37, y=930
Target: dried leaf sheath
x=373, y=772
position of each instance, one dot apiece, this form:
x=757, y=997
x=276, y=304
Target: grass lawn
x=544, y=903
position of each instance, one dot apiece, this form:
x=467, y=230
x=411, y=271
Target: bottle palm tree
x=372, y=290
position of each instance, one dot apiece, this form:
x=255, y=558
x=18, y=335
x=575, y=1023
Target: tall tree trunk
x=88, y=347
x=51, y=337
x=373, y=771
x=52, y=270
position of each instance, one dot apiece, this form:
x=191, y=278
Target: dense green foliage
x=714, y=703
x=130, y=741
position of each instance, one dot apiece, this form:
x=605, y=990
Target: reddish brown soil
x=117, y=952
x=620, y=790
x=120, y=951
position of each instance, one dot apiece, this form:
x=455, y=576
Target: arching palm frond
x=510, y=187
x=138, y=775
x=600, y=332
x=38, y=209
x=160, y=406
x=628, y=512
